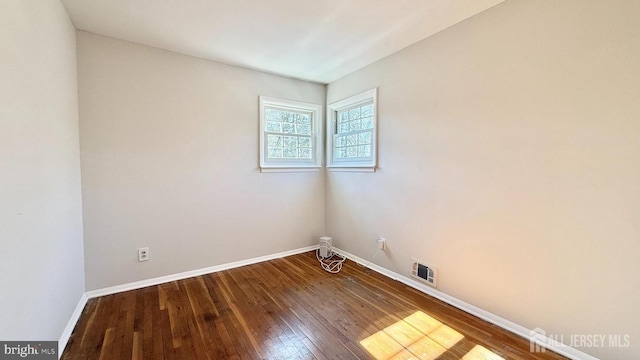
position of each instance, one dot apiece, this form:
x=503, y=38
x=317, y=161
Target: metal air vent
x=424, y=272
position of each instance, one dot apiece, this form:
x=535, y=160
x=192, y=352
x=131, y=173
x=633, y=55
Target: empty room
x=334, y=179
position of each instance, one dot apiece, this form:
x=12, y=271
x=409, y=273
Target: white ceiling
x=316, y=40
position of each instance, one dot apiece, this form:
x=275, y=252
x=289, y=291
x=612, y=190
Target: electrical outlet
x=382, y=244
x=143, y=254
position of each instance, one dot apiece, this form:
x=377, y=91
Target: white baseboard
x=71, y=324
x=187, y=274
x=510, y=326
x=75, y=316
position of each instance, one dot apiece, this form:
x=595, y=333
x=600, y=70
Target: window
x=289, y=135
x=351, y=132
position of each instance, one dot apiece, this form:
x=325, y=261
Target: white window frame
x=359, y=164
x=286, y=165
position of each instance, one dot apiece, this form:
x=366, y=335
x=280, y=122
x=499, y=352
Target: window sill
x=367, y=169
x=288, y=169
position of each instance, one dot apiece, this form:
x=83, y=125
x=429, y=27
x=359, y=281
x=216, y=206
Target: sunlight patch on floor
x=418, y=336
x=481, y=353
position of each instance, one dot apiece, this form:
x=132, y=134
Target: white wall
x=170, y=161
x=510, y=159
x=41, y=257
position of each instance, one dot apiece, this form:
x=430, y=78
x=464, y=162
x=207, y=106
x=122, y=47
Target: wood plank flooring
x=287, y=308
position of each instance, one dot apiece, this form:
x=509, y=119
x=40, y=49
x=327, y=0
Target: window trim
x=368, y=165
x=292, y=165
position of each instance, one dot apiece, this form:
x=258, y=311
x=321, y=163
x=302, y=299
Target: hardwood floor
x=287, y=308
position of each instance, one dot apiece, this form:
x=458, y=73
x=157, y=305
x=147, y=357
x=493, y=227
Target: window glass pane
x=304, y=129
x=364, y=138
x=343, y=117
x=352, y=139
x=303, y=119
x=274, y=126
x=304, y=142
x=366, y=110
x=290, y=141
x=364, y=150
x=305, y=153
x=275, y=152
x=354, y=113
x=288, y=116
x=273, y=115
x=290, y=136
x=290, y=152
x=274, y=140
x=352, y=151
x=367, y=123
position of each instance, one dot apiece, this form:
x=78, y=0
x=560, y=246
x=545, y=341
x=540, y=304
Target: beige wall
x=510, y=158
x=170, y=161
x=41, y=259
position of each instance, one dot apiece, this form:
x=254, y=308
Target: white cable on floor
x=328, y=263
